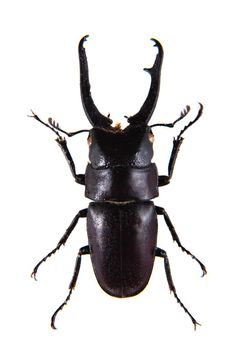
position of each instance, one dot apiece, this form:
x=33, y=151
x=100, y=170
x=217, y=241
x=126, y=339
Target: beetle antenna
x=35, y=116
x=56, y=126
x=192, y=121
x=183, y=113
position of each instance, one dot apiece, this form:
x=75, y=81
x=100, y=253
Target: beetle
x=121, y=181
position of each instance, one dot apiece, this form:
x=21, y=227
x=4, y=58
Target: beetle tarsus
x=59, y=309
x=34, y=272
x=194, y=321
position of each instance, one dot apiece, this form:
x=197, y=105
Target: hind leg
x=162, y=254
x=82, y=251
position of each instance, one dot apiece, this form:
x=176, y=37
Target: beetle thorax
x=131, y=147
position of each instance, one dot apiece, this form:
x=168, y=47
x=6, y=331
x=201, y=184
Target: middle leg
x=162, y=211
x=81, y=214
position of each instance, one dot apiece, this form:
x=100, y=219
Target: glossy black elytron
x=121, y=180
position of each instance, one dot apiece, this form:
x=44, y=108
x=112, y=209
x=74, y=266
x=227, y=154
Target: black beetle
x=121, y=180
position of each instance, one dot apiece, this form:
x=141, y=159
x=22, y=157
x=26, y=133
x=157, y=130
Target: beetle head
x=112, y=146
x=131, y=147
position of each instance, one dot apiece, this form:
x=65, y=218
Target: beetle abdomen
x=122, y=239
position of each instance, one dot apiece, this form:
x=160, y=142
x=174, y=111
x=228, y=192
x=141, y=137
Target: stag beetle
x=121, y=181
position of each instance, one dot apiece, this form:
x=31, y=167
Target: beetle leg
x=81, y=214
x=162, y=254
x=165, y=179
x=82, y=251
x=80, y=178
x=162, y=211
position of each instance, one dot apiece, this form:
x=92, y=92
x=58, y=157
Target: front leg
x=165, y=179
x=79, y=178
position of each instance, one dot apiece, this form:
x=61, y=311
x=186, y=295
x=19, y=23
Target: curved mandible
x=92, y=113
x=147, y=109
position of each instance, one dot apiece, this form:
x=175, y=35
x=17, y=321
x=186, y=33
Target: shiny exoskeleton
x=121, y=180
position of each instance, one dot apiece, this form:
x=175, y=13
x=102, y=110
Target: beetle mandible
x=121, y=181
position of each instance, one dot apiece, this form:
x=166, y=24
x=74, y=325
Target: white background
x=39, y=70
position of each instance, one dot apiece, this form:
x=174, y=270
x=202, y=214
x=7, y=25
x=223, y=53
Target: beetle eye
x=89, y=140
x=151, y=137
